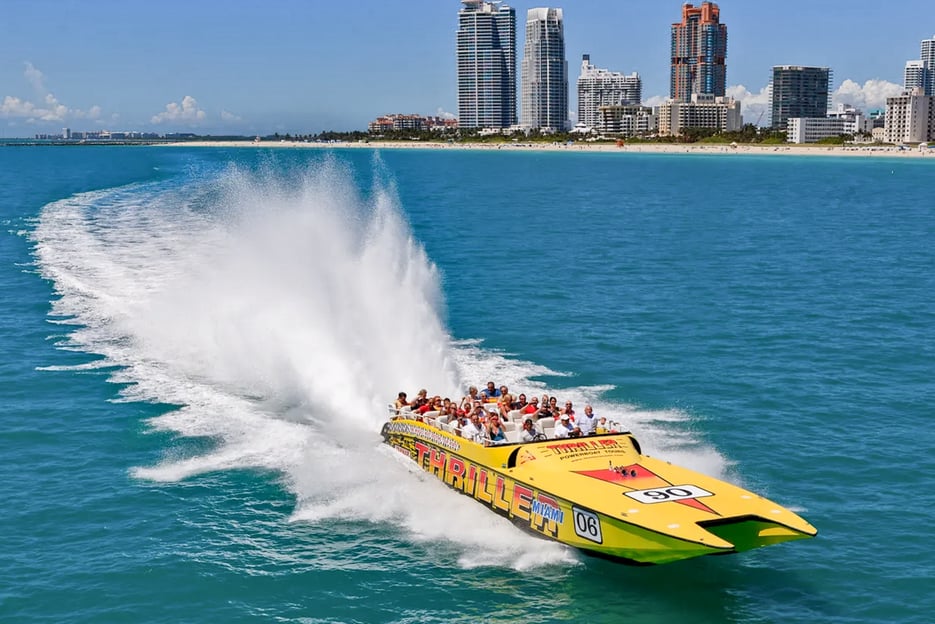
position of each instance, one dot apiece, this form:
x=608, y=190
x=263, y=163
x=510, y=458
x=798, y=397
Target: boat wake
x=279, y=308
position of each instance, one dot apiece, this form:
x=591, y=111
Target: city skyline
x=307, y=67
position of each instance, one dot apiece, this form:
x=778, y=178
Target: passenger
x=490, y=392
x=401, y=402
x=473, y=395
x=568, y=410
x=544, y=411
x=474, y=429
x=504, y=390
x=505, y=406
x=495, y=431
x=587, y=422
x=457, y=424
x=529, y=433
x=602, y=425
x=520, y=401
x=429, y=405
x=465, y=404
x=553, y=407
x=420, y=400
x=531, y=408
x=564, y=428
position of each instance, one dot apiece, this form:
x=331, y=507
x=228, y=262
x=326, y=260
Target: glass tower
x=699, y=53
x=545, y=71
x=486, y=55
x=799, y=92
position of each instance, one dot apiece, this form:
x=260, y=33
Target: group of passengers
x=471, y=417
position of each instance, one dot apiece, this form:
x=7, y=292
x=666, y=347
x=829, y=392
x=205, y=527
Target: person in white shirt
x=475, y=429
x=564, y=428
x=529, y=433
x=587, y=422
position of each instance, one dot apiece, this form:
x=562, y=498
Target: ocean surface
x=198, y=346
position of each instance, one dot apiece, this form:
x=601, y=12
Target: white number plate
x=668, y=494
x=587, y=525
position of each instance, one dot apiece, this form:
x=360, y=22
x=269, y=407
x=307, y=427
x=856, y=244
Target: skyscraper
x=921, y=73
x=602, y=87
x=545, y=71
x=699, y=53
x=928, y=59
x=486, y=54
x=799, y=92
x=914, y=75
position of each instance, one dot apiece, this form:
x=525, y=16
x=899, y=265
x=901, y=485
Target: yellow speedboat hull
x=601, y=494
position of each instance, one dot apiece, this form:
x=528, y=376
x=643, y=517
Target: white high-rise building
x=486, y=65
x=602, y=87
x=921, y=73
x=703, y=111
x=927, y=57
x=545, y=72
x=914, y=75
x=910, y=118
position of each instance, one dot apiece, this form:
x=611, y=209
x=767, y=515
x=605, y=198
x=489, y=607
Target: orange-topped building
x=699, y=53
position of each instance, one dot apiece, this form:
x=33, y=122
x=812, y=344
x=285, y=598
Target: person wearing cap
x=529, y=433
x=564, y=428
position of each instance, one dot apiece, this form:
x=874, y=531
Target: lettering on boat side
x=547, y=508
x=543, y=513
x=583, y=448
x=418, y=432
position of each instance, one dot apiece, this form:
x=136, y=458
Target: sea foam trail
x=282, y=308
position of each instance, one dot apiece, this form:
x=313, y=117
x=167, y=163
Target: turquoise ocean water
x=198, y=345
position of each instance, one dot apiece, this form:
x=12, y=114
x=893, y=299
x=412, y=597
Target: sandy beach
x=865, y=151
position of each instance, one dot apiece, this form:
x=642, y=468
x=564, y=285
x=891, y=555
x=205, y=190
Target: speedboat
x=599, y=494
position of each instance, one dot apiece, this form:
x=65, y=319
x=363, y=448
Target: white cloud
x=755, y=107
x=440, y=112
x=655, y=100
x=870, y=96
x=187, y=111
x=228, y=116
x=35, y=77
x=48, y=109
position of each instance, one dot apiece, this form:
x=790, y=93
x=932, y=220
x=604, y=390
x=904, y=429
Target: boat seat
x=512, y=436
x=514, y=414
x=430, y=415
x=492, y=408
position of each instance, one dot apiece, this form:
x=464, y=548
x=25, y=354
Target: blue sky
x=251, y=66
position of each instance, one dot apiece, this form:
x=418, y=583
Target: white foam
x=283, y=310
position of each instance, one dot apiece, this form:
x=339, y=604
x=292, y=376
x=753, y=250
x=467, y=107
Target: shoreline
x=637, y=148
